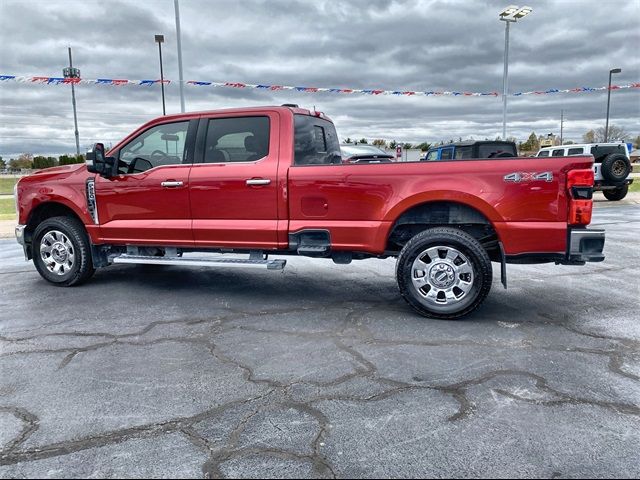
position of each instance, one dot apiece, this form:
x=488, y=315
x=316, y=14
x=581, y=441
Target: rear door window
x=558, y=153
x=463, y=153
x=237, y=139
x=543, y=153
x=446, y=154
x=488, y=150
x=575, y=151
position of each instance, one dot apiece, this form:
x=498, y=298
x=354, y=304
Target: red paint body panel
x=136, y=209
x=357, y=203
x=228, y=212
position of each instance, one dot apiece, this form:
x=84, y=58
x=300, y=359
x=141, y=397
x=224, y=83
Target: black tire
x=615, y=167
x=75, y=238
x=448, y=240
x=617, y=194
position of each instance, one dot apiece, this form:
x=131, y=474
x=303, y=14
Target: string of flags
x=237, y=85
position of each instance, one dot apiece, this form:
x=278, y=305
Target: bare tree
x=616, y=134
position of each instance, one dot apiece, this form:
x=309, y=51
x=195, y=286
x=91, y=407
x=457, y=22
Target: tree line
x=27, y=161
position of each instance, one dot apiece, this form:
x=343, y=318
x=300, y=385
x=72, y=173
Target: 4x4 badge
x=518, y=177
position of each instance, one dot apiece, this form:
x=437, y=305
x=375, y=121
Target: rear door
x=233, y=184
x=147, y=202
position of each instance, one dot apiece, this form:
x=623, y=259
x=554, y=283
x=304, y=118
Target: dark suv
x=472, y=149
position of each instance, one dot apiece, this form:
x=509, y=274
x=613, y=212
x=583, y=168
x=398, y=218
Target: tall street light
x=510, y=14
x=160, y=40
x=178, y=36
x=70, y=72
x=606, y=127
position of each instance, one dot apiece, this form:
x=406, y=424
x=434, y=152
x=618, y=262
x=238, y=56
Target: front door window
x=160, y=145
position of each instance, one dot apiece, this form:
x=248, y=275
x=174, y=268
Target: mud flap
x=503, y=266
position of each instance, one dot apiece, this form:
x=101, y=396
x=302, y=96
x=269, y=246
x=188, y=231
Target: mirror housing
x=98, y=163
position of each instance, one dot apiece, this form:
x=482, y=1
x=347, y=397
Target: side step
x=200, y=262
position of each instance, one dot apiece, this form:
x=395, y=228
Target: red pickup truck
x=270, y=181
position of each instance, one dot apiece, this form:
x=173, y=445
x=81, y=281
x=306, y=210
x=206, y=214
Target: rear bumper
x=585, y=245
x=600, y=185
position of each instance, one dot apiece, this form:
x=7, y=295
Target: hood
x=60, y=169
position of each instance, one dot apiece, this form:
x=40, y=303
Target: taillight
x=580, y=187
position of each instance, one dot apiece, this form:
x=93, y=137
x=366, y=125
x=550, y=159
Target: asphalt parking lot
x=322, y=371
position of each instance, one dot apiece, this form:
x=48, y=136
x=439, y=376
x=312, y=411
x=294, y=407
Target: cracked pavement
x=321, y=371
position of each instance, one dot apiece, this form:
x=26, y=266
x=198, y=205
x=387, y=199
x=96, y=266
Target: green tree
x=71, y=159
x=532, y=143
x=407, y=146
x=380, y=143
x=393, y=144
x=24, y=161
x=3, y=164
x=43, y=162
x=424, y=146
x=348, y=140
x=363, y=141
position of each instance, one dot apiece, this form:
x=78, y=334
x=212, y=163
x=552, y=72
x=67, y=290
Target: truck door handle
x=171, y=184
x=258, y=181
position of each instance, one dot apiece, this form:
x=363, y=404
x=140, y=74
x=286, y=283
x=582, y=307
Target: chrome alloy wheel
x=57, y=252
x=442, y=275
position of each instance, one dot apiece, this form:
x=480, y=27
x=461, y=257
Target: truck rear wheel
x=444, y=273
x=617, y=193
x=62, y=252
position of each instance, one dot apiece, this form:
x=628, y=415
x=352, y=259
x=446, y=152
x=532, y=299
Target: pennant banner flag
x=238, y=85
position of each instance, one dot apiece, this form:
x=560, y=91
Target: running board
x=200, y=262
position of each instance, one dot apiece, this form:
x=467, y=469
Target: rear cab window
x=315, y=141
x=575, y=151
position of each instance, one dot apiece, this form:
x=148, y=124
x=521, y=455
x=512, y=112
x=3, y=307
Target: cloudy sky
x=380, y=44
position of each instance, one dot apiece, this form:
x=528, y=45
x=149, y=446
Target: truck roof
x=295, y=110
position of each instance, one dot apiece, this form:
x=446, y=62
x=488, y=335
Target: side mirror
x=98, y=163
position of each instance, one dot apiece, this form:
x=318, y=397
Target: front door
x=233, y=184
x=147, y=202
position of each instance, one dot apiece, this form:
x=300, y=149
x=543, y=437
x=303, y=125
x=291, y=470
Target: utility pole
x=71, y=72
x=160, y=40
x=177, y=8
x=561, y=125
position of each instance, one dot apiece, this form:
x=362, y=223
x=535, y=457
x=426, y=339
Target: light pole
x=177, y=9
x=160, y=40
x=510, y=14
x=606, y=127
x=70, y=72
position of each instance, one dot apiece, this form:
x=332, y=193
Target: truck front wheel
x=444, y=273
x=62, y=252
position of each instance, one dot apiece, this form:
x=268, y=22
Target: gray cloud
x=418, y=45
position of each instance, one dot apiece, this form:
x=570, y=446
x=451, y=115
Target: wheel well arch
x=443, y=213
x=44, y=211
